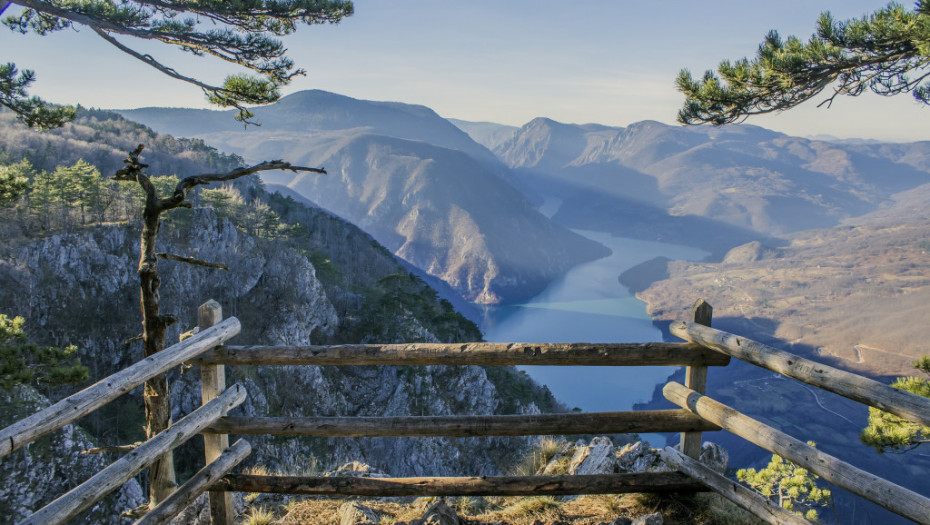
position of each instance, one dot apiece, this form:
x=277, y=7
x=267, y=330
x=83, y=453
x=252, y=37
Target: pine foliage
x=24, y=362
x=887, y=432
x=14, y=180
x=788, y=485
x=243, y=32
x=886, y=52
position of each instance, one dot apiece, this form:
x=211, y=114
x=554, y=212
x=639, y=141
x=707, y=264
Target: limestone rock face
x=714, y=456
x=598, y=457
x=638, y=457
x=46, y=468
x=601, y=456
x=82, y=289
x=649, y=519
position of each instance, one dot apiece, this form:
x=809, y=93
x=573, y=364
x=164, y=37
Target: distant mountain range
x=744, y=176
x=418, y=184
x=457, y=198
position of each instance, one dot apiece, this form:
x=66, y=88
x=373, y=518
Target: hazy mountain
x=440, y=210
x=744, y=176
x=304, y=113
x=488, y=134
x=417, y=183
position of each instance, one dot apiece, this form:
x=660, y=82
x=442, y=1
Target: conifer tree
x=789, y=486
x=43, y=198
x=886, y=52
x=887, y=432
x=24, y=362
x=14, y=180
x=242, y=32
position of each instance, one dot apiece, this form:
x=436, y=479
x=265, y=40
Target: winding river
x=588, y=304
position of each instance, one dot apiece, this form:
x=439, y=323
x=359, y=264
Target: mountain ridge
x=484, y=238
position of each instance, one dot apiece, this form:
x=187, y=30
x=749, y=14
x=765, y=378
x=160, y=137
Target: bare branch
x=132, y=172
x=191, y=260
x=180, y=192
x=133, y=338
x=116, y=448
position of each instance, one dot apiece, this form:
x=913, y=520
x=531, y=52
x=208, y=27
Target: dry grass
x=537, y=459
x=259, y=516
x=701, y=509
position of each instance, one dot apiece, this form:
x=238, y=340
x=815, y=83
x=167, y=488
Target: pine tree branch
x=191, y=260
x=246, y=53
x=149, y=60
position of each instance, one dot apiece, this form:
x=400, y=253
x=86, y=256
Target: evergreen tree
x=66, y=186
x=241, y=32
x=788, y=485
x=25, y=362
x=886, y=52
x=43, y=199
x=96, y=195
x=14, y=180
x=888, y=432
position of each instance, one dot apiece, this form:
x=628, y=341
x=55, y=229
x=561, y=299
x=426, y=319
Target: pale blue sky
x=606, y=61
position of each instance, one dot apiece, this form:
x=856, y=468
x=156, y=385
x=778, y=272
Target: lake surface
x=588, y=304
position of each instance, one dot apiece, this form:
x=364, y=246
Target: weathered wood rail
x=699, y=413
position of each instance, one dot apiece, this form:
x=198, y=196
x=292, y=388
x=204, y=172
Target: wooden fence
x=699, y=413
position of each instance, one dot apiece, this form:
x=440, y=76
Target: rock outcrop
x=36, y=473
x=81, y=289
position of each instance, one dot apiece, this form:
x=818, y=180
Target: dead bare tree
x=154, y=323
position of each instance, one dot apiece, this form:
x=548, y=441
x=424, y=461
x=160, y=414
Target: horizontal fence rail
x=464, y=486
x=893, y=497
x=561, y=354
x=197, y=485
x=847, y=384
x=468, y=426
x=86, y=494
x=95, y=396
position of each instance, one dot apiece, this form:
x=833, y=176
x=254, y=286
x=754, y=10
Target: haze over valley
x=459, y=200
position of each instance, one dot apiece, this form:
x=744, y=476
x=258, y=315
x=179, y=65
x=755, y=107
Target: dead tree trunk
x=155, y=325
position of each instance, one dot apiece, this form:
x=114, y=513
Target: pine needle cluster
x=789, y=486
x=242, y=32
x=886, y=52
x=887, y=432
x=22, y=361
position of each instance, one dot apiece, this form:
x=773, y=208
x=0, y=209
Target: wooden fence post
x=696, y=379
x=212, y=383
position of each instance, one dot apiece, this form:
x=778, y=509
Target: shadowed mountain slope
x=417, y=183
x=744, y=176
x=441, y=211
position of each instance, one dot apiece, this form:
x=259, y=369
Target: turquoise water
x=588, y=304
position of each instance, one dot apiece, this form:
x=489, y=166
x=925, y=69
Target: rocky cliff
x=80, y=288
